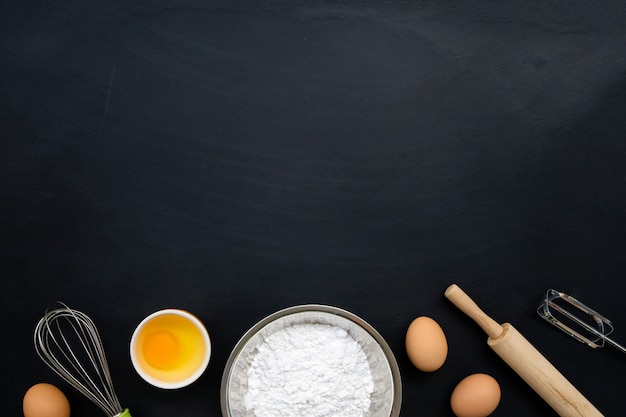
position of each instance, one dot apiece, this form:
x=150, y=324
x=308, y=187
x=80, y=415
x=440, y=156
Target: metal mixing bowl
x=387, y=395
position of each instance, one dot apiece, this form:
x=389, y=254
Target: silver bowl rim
x=393, y=364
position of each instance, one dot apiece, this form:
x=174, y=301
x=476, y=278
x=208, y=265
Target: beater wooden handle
x=526, y=361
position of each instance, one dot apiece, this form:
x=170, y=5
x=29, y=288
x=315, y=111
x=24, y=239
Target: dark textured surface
x=234, y=160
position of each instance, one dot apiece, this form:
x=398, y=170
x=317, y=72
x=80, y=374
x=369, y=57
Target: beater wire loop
x=564, y=312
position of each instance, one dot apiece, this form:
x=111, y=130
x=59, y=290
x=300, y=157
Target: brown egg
x=45, y=400
x=426, y=344
x=477, y=395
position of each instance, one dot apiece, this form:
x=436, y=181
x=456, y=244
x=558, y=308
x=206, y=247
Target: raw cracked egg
x=45, y=400
x=426, y=344
x=170, y=348
x=477, y=395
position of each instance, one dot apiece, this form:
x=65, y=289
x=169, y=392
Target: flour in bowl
x=309, y=370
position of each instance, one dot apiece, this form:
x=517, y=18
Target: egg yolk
x=170, y=348
x=161, y=349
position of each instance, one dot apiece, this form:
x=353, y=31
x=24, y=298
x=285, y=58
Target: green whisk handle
x=124, y=413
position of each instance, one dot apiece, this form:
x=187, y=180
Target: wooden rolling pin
x=520, y=355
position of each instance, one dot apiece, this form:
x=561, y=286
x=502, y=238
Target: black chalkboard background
x=237, y=158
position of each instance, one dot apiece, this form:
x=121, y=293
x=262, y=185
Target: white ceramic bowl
x=170, y=348
x=386, y=398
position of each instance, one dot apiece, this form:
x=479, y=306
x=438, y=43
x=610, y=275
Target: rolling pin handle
x=460, y=299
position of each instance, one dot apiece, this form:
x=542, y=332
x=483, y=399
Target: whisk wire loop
x=93, y=347
x=65, y=337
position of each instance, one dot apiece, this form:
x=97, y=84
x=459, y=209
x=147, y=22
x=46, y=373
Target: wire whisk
x=68, y=342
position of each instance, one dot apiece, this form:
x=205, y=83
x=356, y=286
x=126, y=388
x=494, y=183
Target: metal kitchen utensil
x=590, y=327
x=68, y=342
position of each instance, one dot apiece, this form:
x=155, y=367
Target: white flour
x=309, y=370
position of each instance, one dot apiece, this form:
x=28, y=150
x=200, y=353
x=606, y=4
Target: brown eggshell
x=477, y=395
x=45, y=400
x=426, y=344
